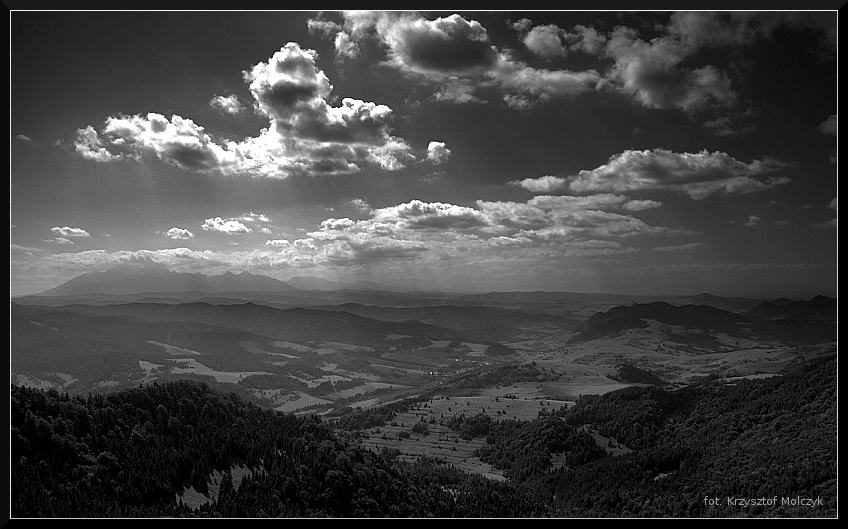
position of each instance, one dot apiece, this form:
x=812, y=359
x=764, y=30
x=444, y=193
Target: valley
x=407, y=378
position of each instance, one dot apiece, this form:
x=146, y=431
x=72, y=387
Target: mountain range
x=129, y=279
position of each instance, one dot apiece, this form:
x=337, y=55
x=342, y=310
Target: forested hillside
x=129, y=454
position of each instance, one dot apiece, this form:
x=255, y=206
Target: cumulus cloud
x=653, y=74
x=437, y=153
x=23, y=137
x=527, y=86
x=229, y=226
x=278, y=243
x=227, y=105
x=695, y=174
x=89, y=145
x=550, y=41
x=306, y=135
x=66, y=231
x=361, y=205
x=176, y=141
x=253, y=217
x=179, y=234
x=485, y=236
x=65, y=234
x=444, y=46
x=543, y=184
x=640, y=205
x=564, y=225
x=456, y=56
x=753, y=220
x=546, y=41
x=829, y=126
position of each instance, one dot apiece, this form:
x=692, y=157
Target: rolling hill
x=795, y=322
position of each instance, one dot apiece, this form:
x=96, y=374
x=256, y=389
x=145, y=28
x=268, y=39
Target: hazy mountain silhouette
x=296, y=324
x=620, y=318
x=796, y=322
x=820, y=308
x=129, y=279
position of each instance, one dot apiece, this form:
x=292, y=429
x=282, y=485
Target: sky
x=666, y=153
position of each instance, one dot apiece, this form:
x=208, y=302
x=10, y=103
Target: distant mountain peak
x=134, y=279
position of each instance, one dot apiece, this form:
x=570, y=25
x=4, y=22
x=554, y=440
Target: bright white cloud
x=66, y=231
x=437, y=153
x=695, y=174
x=543, y=184
x=550, y=41
x=227, y=105
x=179, y=234
x=229, y=226
x=546, y=41
x=640, y=205
x=361, y=205
x=253, y=217
x=306, y=135
x=279, y=243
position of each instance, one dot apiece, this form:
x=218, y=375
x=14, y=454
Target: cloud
x=543, y=184
x=229, y=226
x=640, y=205
x=834, y=222
x=444, y=46
x=546, y=41
x=306, y=135
x=89, y=145
x=253, y=217
x=361, y=205
x=557, y=225
x=828, y=127
x=490, y=238
x=550, y=41
x=695, y=174
x=437, y=153
x=23, y=137
x=679, y=247
x=66, y=231
x=455, y=55
x=176, y=141
x=652, y=73
x=227, y=105
x=753, y=220
x=179, y=234
x=278, y=243
x=527, y=86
